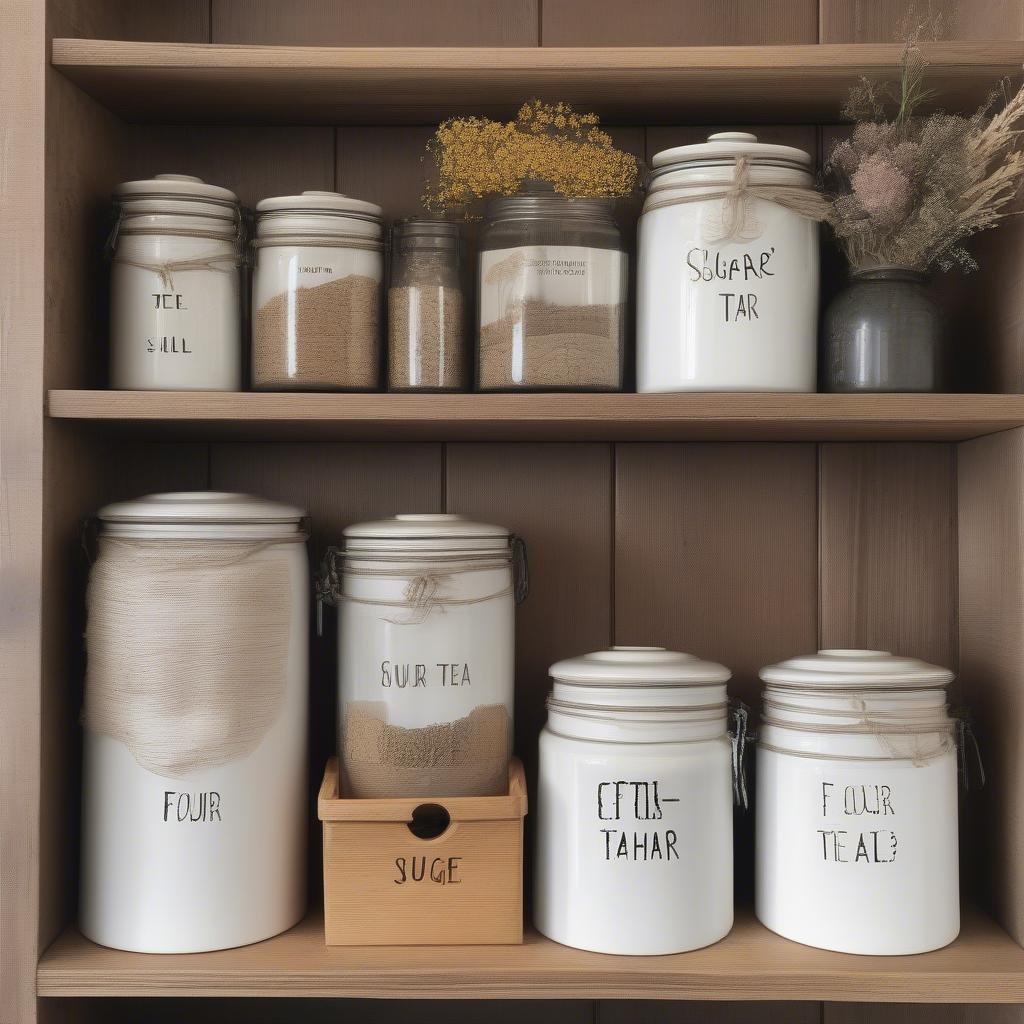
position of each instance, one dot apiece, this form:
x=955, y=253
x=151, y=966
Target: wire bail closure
x=422, y=588
x=740, y=733
x=967, y=741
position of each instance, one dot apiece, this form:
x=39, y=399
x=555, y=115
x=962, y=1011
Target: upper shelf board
x=543, y=417
x=209, y=82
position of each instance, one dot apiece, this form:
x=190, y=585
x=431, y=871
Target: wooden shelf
x=983, y=965
x=204, y=82
x=547, y=417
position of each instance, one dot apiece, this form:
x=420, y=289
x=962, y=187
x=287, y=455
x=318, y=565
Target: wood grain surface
x=984, y=964
x=885, y=21
x=888, y=549
x=372, y=23
x=678, y=22
x=164, y=82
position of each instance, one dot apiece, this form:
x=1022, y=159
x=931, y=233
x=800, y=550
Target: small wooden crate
x=384, y=886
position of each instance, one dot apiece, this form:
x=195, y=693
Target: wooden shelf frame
x=983, y=965
x=204, y=82
x=544, y=417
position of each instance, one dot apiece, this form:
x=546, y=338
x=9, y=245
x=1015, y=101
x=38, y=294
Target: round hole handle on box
x=429, y=821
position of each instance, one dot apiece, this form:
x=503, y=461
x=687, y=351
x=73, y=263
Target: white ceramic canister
x=426, y=655
x=727, y=280
x=857, y=835
x=175, y=315
x=317, y=293
x=635, y=804
x=194, y=794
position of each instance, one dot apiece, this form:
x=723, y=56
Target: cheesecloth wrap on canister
x=187, y=645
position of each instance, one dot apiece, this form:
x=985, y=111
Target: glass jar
x=175, y=312
x=426, y=312
x=316, y=294
x=553, y=282
x=857, y=834
x=884, y=332
x=635, y=804
x=426, y=655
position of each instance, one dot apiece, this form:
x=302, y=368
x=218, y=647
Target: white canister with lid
x=194, y=794
x=635, y=804
x=426, y=654
x=727, y=278
x=857, y=834
x=316, y=293
x=175, y=315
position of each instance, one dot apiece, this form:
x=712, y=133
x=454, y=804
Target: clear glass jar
x=316, y=294
x=553, y=282
x=426, y=311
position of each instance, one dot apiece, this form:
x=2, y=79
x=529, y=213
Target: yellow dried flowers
x=476, y=157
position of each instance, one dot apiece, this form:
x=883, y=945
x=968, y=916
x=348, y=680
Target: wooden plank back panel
x=888, y=549
x=885, y=21
x=909, y=1013
x=991, y=584
x=171, y=21
x=337, y=484
x=678, y=22
x=716, y=554
x=631, y=1011
x=253, y=162
x=559, y=499
x=376, y=23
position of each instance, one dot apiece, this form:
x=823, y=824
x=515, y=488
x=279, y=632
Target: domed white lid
x=174, y=186
x=319, y=202
x=856, y=670
x=723, y=147
x=433, y=532
x=639, y=667
x=198, y=507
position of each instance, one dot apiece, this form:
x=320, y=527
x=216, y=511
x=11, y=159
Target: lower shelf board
x=984, y=965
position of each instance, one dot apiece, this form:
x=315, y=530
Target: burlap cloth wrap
x=187, y=647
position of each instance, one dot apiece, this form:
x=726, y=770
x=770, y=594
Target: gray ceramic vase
x=884, y=333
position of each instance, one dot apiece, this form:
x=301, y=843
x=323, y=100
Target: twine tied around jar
x=954, y=732
x=737, y=218
x=225, y=263
x=188, y=644
x=423, y=592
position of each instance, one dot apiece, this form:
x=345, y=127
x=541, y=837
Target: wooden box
x=461, y=883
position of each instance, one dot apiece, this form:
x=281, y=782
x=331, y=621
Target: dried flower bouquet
x=908, y=191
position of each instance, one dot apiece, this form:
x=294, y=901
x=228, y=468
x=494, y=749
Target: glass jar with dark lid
x=552, y=307
x=426, y=310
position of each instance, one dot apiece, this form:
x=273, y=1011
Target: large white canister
x=175, y=284
x=857, y=847
x=635, y=804
x=194, y=793
x=727, y=273
x=426, y=655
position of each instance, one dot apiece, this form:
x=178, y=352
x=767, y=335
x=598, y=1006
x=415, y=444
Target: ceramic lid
x=174, y=186
x=856, y=670
x=723, y=147
x=319, y=202
x=433, y=532
x=638, y=667
x=198, y=507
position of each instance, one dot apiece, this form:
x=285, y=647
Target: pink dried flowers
x=908, y=191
